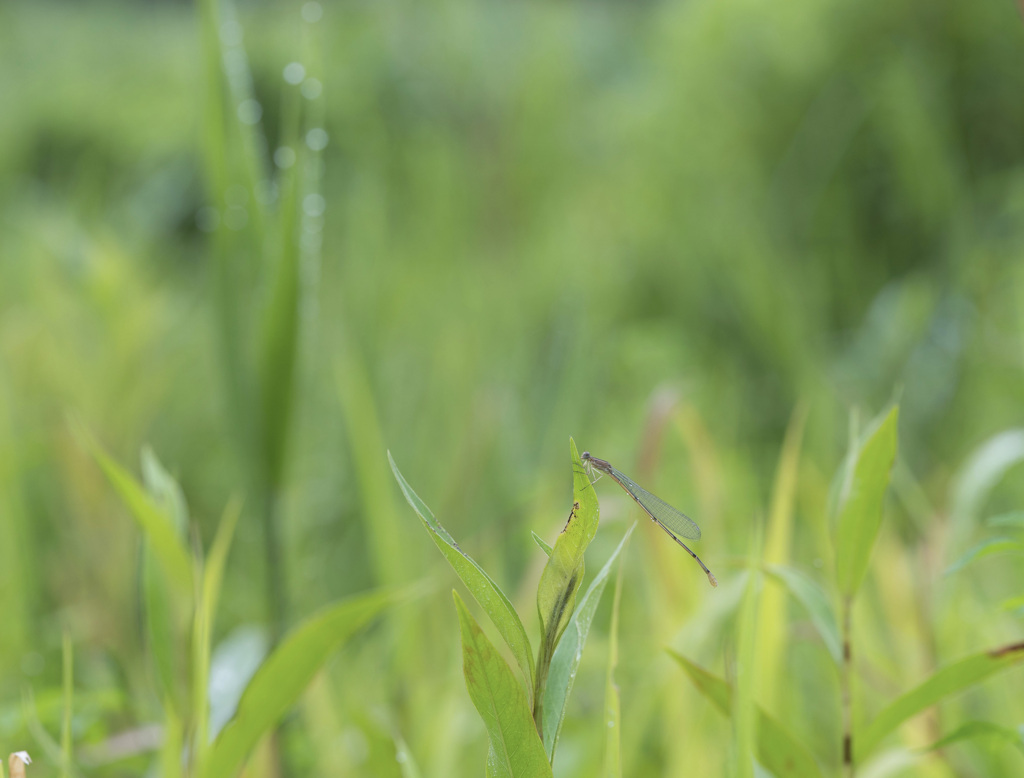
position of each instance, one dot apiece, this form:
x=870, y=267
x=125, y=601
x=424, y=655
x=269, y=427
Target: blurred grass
x=658, y=227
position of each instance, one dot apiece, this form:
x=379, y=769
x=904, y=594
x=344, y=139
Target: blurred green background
x=665, y=228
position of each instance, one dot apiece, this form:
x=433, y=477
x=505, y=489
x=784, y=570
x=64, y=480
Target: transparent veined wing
x=673, y=518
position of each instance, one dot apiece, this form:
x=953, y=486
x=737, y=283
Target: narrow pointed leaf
x=860, y=509
x=776, y=748
x=484, y=590
x=159, y=528
x=814, y=600
x=282, y=678
x=989, y=547
x=948, y=681
x=541, y=543
x=515, y=750
x=569, y=651
x=979, y=729
x=612, y=703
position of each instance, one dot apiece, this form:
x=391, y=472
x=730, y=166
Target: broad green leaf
x=989, y=547
x=157, y=525
x=484, y=590
x=978, y=729
x=563, y=574
x=612, y=703
x=569, y=651
x=776, y=748
x=286, y=673
x=814, y=600
x=516, y=750
x=772, y=620
x=860, y=508
x=948, y=681
x=540, y=542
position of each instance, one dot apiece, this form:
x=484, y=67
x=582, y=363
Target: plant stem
x=846, y=702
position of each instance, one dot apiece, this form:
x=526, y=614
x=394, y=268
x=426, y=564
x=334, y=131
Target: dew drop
x=312, y=12
x=316, y=139
x=314, y=204
x=250, y=111
x=284, y=157
x=311, y=88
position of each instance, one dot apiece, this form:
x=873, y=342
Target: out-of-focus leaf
x=1012, y=603
x=569, y=651
x=1014, y=520
x=860, y=508
x=776, y=748
x=406, y=762
x=540, y=542
x=563, y=573
x=744, y=710
x=612, y=703
x=986, y=548
x=484, y=590
x=165, y=490
x=978, y=729
x=814, y=600
x=205, y=615
x=983, y=470
x=286, y=673
x=947, y=681
x=516, y=750
x=771, y=609
x=158, y=526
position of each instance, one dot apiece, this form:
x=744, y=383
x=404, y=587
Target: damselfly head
x=585, y=456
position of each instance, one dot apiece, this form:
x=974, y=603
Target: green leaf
x=202, y=629
x=986, y=548
x=1014, y=520
x=516, y=750
x=612, y=703
x=744, y=711
x=777, y=749
x=563, y=574
x=484, y=590
x=860, y=508
x=984, y=469
x=569, y=651
x=158, y=526
x=814, y=600
x=949, y=680
x=977, y=729
x=281, y=679
x=540, y=542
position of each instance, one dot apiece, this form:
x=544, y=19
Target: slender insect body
x=671, y=520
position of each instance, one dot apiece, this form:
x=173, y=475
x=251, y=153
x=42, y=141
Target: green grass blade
x=779, y=752
x=984, y=469
x=563, y=574
x=484, y=590
x=172, y=745
x=202, y=630
x=158, y=526
x=744, y=711
x=566, y=660
x=68, y=657
x=612, y=702
x=772, y=611
x=981, y=729
x=990, y=547
x=950, y=680
x=814, y=600
x=516, y=750
x=284, y=675
x=860, y=508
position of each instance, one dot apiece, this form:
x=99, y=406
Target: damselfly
x=673, y=521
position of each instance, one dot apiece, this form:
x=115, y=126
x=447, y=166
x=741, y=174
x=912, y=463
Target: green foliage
x=949, y=680
x=285, y=675
x=861, y=497
x=516, y=750
x=814, y=600
x=777, y=750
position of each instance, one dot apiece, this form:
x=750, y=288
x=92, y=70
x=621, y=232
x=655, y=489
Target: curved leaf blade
x=282, y=678
x=806, y=591
x=483, y=588
x=989, y=547
x=516, y=750
x=776, y=748
x=948, y=681
x=978, y=729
